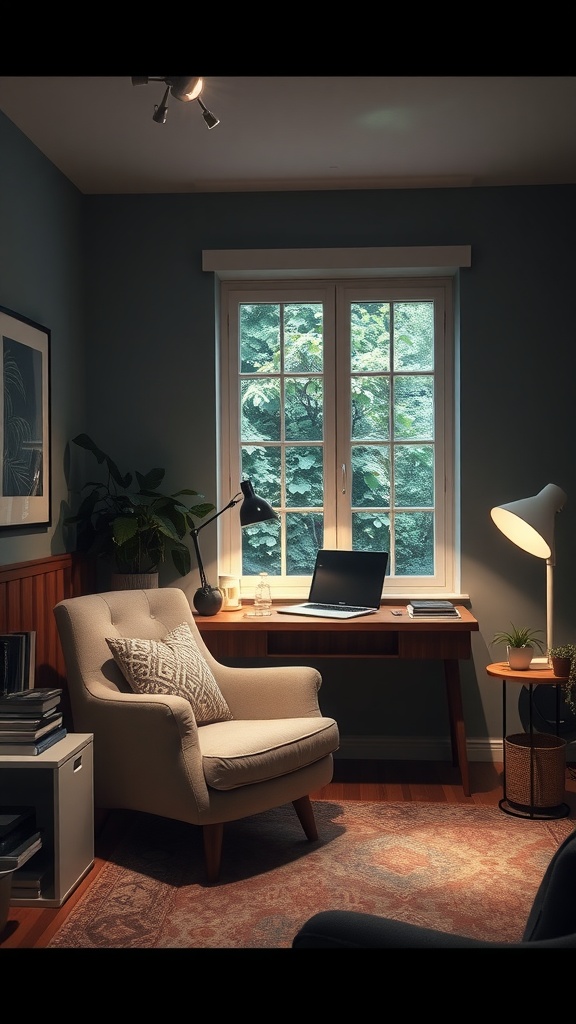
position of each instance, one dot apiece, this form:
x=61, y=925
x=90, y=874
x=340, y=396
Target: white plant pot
x=519, y=658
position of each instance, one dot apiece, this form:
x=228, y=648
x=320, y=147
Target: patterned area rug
x=456, y=867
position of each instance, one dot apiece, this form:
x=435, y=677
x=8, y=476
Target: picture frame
x=25, y=471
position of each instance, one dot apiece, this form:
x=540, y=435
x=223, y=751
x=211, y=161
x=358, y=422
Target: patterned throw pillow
x=172, y=665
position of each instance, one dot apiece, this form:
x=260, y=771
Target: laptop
x=345, y=584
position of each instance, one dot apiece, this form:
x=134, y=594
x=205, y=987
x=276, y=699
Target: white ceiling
x=294, y=133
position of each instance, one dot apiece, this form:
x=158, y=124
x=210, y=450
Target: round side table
x=535, y=675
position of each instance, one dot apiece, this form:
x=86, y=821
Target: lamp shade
x=529, y=522
x=254, y=509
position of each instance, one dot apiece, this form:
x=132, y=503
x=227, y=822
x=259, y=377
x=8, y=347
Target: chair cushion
x=172, y=665
x=239, y=753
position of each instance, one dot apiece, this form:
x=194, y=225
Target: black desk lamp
x=207, y=599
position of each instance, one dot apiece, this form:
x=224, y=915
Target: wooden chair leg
x=212, y=835
x=305, y=812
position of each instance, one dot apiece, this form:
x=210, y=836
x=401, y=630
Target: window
x=337, y=401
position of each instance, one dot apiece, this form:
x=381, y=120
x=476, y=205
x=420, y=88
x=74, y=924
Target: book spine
x=31, y=701
x=15, y=707
x=17, y=837
x=3, y=667
x=16, y=669
x=28, y=666
x=25, y=749
x=9, y=862
x=22, y=735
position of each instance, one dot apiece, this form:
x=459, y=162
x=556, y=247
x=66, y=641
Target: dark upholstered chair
x=551, y=922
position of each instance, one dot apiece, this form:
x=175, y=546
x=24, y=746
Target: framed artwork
x=24, y=421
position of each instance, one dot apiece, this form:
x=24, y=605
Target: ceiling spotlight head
x=210, y=118
x=185, y=89
x=161, y=112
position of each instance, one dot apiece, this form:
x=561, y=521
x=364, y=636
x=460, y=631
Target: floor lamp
x=529, y=523
x=208, y=600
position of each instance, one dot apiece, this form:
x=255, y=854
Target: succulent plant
x=519, y=637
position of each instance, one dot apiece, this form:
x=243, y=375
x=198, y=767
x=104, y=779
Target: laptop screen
x=349, y=577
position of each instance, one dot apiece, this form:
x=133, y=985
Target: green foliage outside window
x=283, y=353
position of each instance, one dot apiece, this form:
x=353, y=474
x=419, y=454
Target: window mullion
x=342, y=422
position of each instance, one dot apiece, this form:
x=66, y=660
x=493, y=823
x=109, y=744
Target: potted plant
x=133, y=527
x=520, y=643
x=563, y=660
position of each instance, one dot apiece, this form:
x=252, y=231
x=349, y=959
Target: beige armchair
x=150, y=754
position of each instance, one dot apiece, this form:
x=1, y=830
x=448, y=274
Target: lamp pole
x=549, y=603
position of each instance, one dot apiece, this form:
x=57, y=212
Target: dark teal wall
x=146, y=328
x=42, y=277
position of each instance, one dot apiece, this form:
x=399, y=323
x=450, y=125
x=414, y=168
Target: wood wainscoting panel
x=28, y=593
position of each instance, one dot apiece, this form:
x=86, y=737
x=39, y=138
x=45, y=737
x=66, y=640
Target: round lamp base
x=208, y=601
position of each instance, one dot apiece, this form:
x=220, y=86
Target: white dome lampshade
x=529, y=522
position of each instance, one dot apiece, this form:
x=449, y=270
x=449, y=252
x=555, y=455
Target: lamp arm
x=233, y=501
x=194, y=534
x=203, y=580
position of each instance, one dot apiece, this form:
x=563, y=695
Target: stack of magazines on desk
x=432, y=609
x=30, y=721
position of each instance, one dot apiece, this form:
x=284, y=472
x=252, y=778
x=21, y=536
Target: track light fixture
x=182, y=88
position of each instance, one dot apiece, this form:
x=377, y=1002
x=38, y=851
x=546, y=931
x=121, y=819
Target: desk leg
x=457, y=727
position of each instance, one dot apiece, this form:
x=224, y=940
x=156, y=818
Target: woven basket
x=549, y=754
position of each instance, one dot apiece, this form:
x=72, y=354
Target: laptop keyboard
x=337, y=607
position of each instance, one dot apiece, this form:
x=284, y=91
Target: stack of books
x=432, y=609
x=19, y=836
x=30, y=721
x=31, y=881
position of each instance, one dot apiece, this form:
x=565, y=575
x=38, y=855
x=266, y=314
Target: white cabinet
x=59, y=784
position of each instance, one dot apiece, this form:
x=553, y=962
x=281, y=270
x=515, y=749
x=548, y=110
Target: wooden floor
x=372, y=781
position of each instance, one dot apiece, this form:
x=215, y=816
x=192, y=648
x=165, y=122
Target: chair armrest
x=143, y=742
x=270, y=692
x=156, y=713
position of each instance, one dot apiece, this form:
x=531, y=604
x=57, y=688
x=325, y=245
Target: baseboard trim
x=417, y=748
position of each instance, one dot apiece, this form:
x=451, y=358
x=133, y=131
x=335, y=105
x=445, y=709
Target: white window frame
x=247, y=275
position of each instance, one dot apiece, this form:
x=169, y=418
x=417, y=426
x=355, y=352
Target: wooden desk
x=383, y=635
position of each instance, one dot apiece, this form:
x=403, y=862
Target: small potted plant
x=563, y=660
x=133, y=526
x=520, y=644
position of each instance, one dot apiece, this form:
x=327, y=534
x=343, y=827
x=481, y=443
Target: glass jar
x=263, y=596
